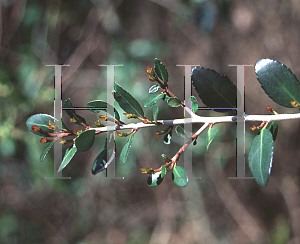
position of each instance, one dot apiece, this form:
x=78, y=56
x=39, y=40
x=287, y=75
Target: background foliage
x=91, y=209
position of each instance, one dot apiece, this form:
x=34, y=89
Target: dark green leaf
x=71, y=111
x=195, y=142
x=260, y=157
x=160, y=70
x=67, y=158
x=43, y=155
x=273, y=128
x=214, y=89
x=101, y=105
x=126, y=148
x=100, y=161
x=211, y=133
x=168, y=137
x=180, y=131
x=155, y=113
x=154, y=89
x=194, y=104
x=127, y=102
x=166, y=98
x=179, y=176
x=154, y=179
x=174, y=102
x=85, y=140
x=40, y=120
x=153, y=100
x=163, y=171
x=278, y=82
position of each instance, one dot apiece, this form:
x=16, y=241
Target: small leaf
x=40, y=120
x=260, y=157
x=126, y=148
x=127, y=102
x=211, y=133
x=43, y=155
x=71, y=111
x=155, y=113
x=166, y=98
x=168, y=137
x=154, y=179
x=194, y=104
x=179, y=176
x=273, y=128
x=67, y=158
x=214, y=89
x=165, y=157
x=278, y=82
x=154, y=89
x=101, y=105
x=195, y=142
x=174, y=102
x=85, y=140
x=180, y=131
x=160, y=70
x=153, y=100
x=100, y=161
x=163, y=171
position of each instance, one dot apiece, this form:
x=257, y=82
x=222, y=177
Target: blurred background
x=90, y=209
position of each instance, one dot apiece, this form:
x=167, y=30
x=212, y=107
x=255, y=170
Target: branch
x=201, y=119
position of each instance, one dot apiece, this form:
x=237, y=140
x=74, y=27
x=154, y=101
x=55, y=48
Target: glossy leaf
x=100, y=161
x=278, y=82
x=44, y=154
x=101, y=105
x=153, y=100
x=40, y=120
x=154, y=89
x=163, y=171
x=71, y=111
x=154, y=179
x=194, y=104
x=155, y=113
x=214, y=89
x=260, y=157
x=179, y=176
x=127, y=102
x=160, y=70
x=85, y=140
x=67, y=158
x=174, y=102
x=168, y=137
x=126, y=148
x=211, y=133
x=180, y=131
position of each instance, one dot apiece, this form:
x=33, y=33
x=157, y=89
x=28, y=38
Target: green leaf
x=155, y=113
x=153, y=100
x=160, y=70
x=211, y=133
x=165, y=157
x=166, y=98
x=126, y=148
x=71, y=112
x=154, y=89
x=273, y=128
x=85, y=140
x=180, y=131
x=174, y=102
x=127, y=102
x=278, y=82
x=163, y=171
x=179, y=176
x=100, y=161
x=168, y=137
x=214, y=89
x=40, y=120
x=43, y=155
x=101, y=105
x=67, y=158
x=154, y=179
x=260, y=157
x=194, y=104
